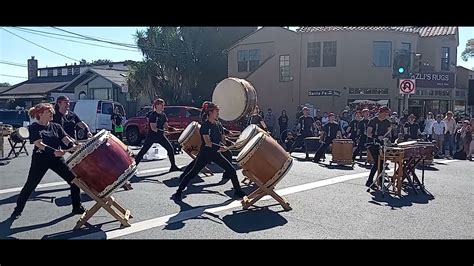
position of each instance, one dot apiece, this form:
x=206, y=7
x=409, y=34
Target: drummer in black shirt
x=377, y=129
x=306, y=128
x=158, y=123
x=331, y=131
x=47, y=154
x=362, y=129
x=210, y=151
x=67, y=119
x=411, y=129
x=117, y=119
x=257, y=119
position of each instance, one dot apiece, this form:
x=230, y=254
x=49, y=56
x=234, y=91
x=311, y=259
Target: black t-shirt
x=160, y=119
x=256, y=120
x=306, y=124
x=363, y=126
x=117, y=118
x=379, y=128
x=214, y=131
x=283, y=121
x=330, y=131
x=355, y=130
x=412, y=130
x=52, y=134
x=67, y=122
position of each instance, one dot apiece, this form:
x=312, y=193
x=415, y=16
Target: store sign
x=434, y=79
x=324, y=93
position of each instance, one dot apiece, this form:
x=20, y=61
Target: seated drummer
x=411, y=129
x=331, y=131
x=306, y=126
x=48, y=137
x=289, y=141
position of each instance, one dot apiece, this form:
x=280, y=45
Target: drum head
x=231, y=96
x=249, y=147
x=188, y=131
x=83, y=150
x=246, y=133
x=406, y=143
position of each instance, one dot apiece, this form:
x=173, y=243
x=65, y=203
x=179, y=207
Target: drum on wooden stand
x=190, y=139
x=342, y=151
x=246, y=135
x=20, y=134
x=103, y=163
x=236, y=98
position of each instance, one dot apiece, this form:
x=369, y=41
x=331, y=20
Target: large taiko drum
x=103, y=162
x=235, y=97
x=190, y=138
x=20, y=134
x=246, y=135
x=342, y=151
x=265, y=159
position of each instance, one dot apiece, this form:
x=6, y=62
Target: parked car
x=137, y=127
x=96, y=114
x=14, y=118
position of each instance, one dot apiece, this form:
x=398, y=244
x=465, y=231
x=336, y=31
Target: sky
x=16, y=50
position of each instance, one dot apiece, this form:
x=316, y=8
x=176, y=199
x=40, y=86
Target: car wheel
x=133, y=136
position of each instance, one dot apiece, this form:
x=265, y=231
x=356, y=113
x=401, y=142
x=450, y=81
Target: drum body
x=236, y=98
x=246, y=135
x=342, y=151
x=20, y=134
x=190, y=138
x=103, y=162
x=265, y=159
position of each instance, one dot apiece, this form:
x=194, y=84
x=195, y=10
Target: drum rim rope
x=124, y=177
x=247, y=155
x=87, y=148
x=281, y=172
x=187, y=136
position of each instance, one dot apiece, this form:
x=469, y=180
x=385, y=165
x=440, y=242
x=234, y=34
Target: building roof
x=2, y=89
x=422, y=31
x=116, y=64
x=39, y=85
x=117, y=76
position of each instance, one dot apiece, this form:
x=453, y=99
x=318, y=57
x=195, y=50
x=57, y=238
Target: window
x=242, y=58
x=314, y=54
x=50, y=72
x=172, y=112
x=406, y=46
x=284, y=68
x=77, y=71
x=254, y=59
x=382, y=54
x=69, y=71
x=329, y=54
x=445, y=58
x=101, y=93
x=192, y=113
x=107, y=108
x=60, y=72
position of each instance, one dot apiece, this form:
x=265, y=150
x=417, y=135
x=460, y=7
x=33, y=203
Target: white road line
x=60, y=183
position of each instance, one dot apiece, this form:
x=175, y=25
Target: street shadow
x=67, y=201
x=6, y=230
x=88, y=231
x=252, y=220
x=394, y=202
x=336, y=166
x=188, y=212
x=36, y=195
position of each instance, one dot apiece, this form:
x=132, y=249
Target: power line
x=12, y=63
x=74, y=41
x=12, y=76
x=40, y=45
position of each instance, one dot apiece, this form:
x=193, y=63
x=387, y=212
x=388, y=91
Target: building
x=329, y=68
x=104, y=82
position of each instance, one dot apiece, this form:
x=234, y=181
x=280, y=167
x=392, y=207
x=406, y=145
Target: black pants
x=321, y=150
x=227, y=155
x=205, y=156
x=360, y=146
x=160, y=139
x=40, y=163
x=299, y=141
x=375, y=150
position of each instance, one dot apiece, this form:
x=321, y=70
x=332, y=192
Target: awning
x=28, y=96
x=382, y=102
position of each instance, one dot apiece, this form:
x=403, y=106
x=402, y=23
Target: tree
x=95, y=62
x=142, y=79
x=5, y=84
x=468, y=51
x=189, y=61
